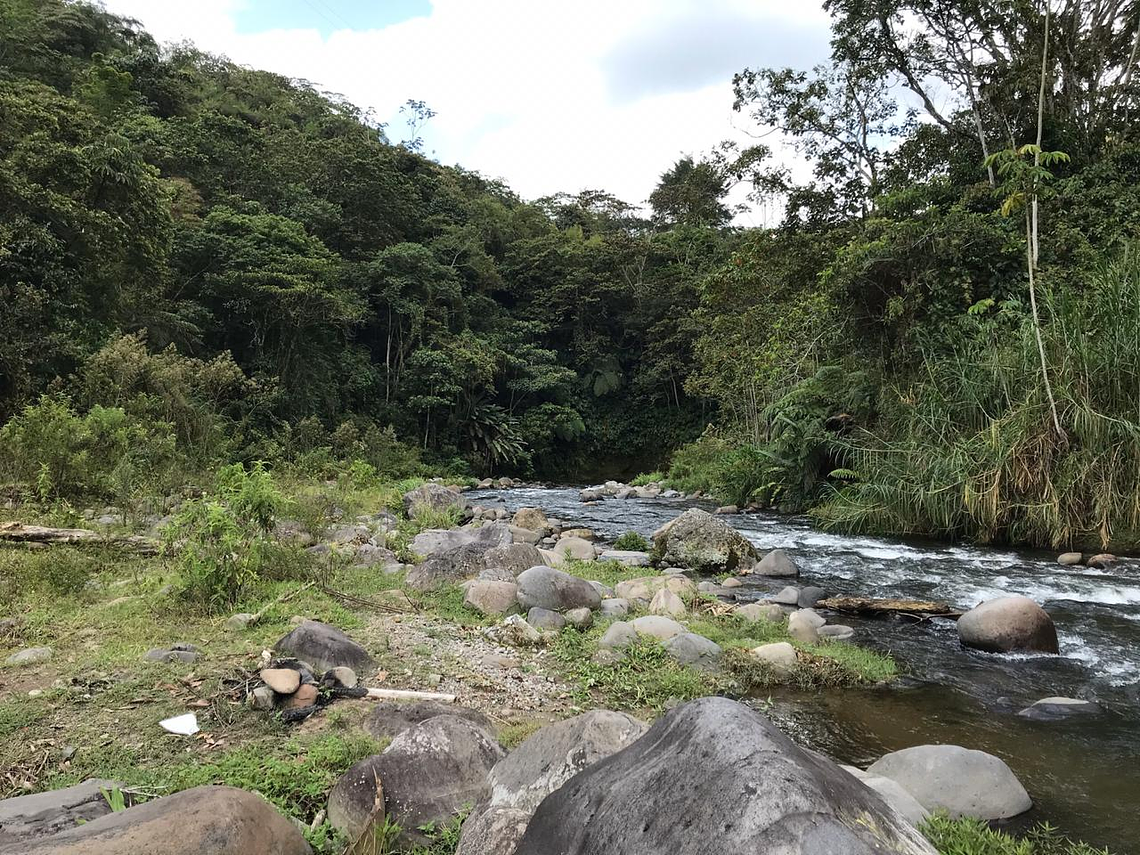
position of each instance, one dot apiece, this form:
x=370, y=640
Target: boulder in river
x=531, y=518
x=776, y=563
x=698, y=540
x=893, y=794
x=960, y=781
x=1056, y=709
x=1007, y=624
x=1069, y=559
x=628, y=557
x=715, y=776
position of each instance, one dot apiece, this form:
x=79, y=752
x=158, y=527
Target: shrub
x=632, y=541
x=647, y=478
x=223, y=540
x=105, y=453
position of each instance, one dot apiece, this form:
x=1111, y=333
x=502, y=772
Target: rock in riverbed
x=1007, y=624
x=699, y=540
x=1056, y=709
x=555, y=590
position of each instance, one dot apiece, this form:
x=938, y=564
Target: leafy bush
x=105, y=453
x=62, y=570
x=647, y=478
x=632, y=541
x=223, y=540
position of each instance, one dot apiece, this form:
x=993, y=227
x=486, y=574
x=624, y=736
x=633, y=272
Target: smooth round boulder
x=779, y=656
x=789, y=596
x=665, y=602
x=1008, y=624
x=614, y=607
x=512, y=557
x=760, y=611
x=892, y=793
x=802, y=628
x=541, y=619
x=960, y=781
x=556, y=590
x=1069, y=559
x=388, y=719
x=714, y=776
x=575, y=547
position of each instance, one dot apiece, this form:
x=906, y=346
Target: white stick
x=406, y=695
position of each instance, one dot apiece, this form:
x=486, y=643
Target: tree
x=692, y=194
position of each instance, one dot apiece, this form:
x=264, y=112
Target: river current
x=1083, y=774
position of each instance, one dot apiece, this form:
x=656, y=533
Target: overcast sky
x=547, y=95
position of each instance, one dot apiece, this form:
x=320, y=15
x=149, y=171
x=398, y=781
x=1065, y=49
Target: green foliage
x=974, y=837
x=632, y=541
x=994, y=469
x=646, y=478
x=223, y=540
x=105, y=453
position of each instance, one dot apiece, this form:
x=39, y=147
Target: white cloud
x=547, y=95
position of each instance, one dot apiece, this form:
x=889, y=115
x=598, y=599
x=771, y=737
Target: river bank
x=91, y=709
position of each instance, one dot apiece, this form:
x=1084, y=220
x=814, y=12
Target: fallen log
x=878, y=607
x=408, y=695
x=15, y=532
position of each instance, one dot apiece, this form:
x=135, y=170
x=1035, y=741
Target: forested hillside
x=202, y=263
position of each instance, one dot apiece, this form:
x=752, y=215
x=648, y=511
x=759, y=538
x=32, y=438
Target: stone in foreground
x=213, y=820
x=776, y=563
x=1007, y=624
x=960, y=781
x=427, y=775
x=44, y=814
x=714, y=776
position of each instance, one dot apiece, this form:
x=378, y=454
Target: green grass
x=643, y=677
x=974, y=837
x=609, y=573
x=647, y=478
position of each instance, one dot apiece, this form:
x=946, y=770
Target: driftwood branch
x=876, y=607
x=408, y=695
x=15, y=532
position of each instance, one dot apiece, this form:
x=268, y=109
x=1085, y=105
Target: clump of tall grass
x=969, y=449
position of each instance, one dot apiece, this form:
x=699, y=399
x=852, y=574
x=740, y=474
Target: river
x=1083, y=774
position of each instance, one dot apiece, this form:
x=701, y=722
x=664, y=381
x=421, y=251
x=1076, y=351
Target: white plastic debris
x=184, y=725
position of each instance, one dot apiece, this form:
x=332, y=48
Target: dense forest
x=202, y=263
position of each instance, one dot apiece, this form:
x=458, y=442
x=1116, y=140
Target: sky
x=549, y=96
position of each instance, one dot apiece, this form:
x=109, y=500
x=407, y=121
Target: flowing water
x=1083, y=774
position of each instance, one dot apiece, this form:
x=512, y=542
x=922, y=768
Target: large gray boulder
x=1056, y=709
x=201, y=821
x=698, y=540
x=325, y=647
x=536, y=768
x=435, y=497
x=437, y=541
x=556, y=590
x=554, y=754
x=44, y=814
x=960, y=781
x=466, y=561
x=428, y=774
x=1006, y=624
x=715, y=776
